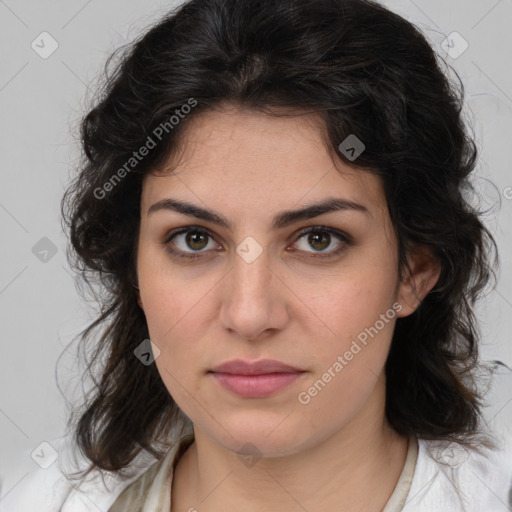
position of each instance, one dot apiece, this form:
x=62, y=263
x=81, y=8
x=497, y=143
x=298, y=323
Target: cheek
x=349, y=363
x=169, y=296
x=357, y=323
x=178, y=310
x=350, y=302
x=174, y=325
x=175, y=321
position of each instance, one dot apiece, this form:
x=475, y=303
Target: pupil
x=313, y=238
x=193, y=238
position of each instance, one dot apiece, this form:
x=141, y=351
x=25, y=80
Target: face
x=319, y=293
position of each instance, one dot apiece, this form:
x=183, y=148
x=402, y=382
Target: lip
x=261, y=367
x=256, y=379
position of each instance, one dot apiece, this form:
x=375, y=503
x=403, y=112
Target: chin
x=257, y=438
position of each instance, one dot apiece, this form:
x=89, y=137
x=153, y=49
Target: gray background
x=41, y=102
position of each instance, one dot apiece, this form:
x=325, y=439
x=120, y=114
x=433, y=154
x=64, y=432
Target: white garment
x=445, y=478
x=448, y=477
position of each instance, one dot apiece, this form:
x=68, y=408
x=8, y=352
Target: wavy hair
x=368, y=72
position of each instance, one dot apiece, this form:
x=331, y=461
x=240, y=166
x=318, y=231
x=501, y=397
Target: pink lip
x=255, y=380
x=241, y=367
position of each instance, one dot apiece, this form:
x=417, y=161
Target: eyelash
x=344, y=238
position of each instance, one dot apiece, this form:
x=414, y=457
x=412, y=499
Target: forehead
x=230, y=157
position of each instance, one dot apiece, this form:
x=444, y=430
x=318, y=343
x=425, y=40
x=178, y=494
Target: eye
x=191, y=240
x=320, y=238
x=188, y=238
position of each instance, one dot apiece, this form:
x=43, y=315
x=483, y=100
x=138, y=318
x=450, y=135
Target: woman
x=272, y=198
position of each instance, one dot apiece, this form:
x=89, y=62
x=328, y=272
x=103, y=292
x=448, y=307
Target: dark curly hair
x=367, y=72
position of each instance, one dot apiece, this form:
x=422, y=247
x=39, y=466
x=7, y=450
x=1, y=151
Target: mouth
x=255, y=379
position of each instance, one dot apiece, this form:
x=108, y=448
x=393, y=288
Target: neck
x=354, y=469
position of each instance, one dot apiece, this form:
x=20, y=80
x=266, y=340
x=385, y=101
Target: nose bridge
x=250, y=304
x=251, y=276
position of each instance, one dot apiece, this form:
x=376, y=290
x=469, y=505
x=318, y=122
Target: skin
x=325, y=455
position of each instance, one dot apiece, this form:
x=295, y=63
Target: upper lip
x=241, y=367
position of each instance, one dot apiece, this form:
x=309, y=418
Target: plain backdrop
x=41, y=103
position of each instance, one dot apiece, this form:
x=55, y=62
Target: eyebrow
x=281, y=220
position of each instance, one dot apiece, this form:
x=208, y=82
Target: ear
x=425, y=271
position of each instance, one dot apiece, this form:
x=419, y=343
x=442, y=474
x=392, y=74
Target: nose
x=254, y=299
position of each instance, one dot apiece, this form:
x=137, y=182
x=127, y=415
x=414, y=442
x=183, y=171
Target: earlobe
x=424, y=274
x=139, y=301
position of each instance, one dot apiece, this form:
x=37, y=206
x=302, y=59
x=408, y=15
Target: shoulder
x=152, y=489
x=50, y=489
x=449, y=476
x=135, y=495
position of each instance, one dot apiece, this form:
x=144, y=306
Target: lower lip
x=256, y=386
